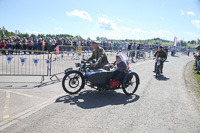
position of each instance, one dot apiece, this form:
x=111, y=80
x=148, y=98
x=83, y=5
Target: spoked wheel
x=73, y=82
x=130, y=83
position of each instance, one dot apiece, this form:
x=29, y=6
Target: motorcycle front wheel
x=73, y=82
x=158, y=71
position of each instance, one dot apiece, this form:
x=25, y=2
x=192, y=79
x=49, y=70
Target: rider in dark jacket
x=160, y=53
x=99, y=56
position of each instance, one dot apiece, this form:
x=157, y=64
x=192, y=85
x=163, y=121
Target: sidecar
x=99, y=79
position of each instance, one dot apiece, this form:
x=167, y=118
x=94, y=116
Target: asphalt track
x=159, y=105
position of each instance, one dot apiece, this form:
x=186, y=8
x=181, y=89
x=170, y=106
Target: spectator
x=24, y=44
x=40, y=44
x=3, y=45
x=35, y=47
x=53, y=44
x=17, y=44
x=30, y=45
x=9, y=45
x=188, y=53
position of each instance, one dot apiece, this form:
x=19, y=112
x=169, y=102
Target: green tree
x=193, y=42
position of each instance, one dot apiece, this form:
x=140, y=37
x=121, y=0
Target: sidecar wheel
x=130, y=83
x=73, y=82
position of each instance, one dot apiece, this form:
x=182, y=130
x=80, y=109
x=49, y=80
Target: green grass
x=196, y=75
x=198, y=78
x=167, y=43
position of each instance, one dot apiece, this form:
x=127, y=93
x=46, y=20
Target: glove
x=94, y=64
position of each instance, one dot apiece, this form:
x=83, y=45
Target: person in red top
x=188, y=51
x=2, y=46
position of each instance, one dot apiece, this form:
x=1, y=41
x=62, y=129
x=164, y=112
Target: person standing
x=24, y=44
x=35, y=47
x=30, y=45
x=188, y=52
x=53, y=44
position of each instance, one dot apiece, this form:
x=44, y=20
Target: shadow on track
x=163, y=78
x=95, y=99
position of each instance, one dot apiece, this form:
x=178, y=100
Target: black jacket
x=160, y=54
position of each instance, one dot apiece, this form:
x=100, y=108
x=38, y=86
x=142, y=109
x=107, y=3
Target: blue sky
x=114, y=19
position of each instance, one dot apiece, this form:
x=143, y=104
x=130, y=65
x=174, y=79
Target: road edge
x=191, y=83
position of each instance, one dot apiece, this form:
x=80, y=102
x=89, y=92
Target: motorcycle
x=159, y=65
x=99, y=79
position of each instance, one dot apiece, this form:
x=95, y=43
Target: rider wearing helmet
x=98, y=55
x=160, y=53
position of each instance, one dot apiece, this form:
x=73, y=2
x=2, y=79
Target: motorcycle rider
x=160, y=53
x=98, y=55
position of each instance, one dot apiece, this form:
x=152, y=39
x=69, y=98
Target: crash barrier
x=20, y=64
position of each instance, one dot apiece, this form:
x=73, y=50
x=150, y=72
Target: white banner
x=9, y=58
x=22, y=59
x=35, y=60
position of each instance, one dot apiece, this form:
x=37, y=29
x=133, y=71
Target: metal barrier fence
x=19, y=64
x=40, y=63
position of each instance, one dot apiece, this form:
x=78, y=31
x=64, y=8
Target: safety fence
x=18, y=64
x=42, y=63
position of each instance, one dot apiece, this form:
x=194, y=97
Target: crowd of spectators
x=49, y=44
x=196, y=55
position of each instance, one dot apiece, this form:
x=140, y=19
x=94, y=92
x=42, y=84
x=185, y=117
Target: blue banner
x=9, y=58
x=22, y=59
x=35, y=60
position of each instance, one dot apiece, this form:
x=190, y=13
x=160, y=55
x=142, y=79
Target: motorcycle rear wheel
x=131, y=83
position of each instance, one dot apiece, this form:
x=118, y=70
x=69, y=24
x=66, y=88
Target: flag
x=22, y=59
x=62, y=56
x=35, y=61
x=9, y=58
x=48, y=62
x=175, y=41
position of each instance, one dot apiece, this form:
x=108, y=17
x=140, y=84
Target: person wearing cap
x=98, y=55
x=160, y=53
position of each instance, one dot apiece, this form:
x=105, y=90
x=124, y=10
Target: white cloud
x=192, y=35
x=196, y=23
x=182, y=12
x=191, y=13
x=106, y=23
x=81, y=14
x=129, y=33
x=118, y=19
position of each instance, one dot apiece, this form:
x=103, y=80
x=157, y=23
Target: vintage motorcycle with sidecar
x=100, y=79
